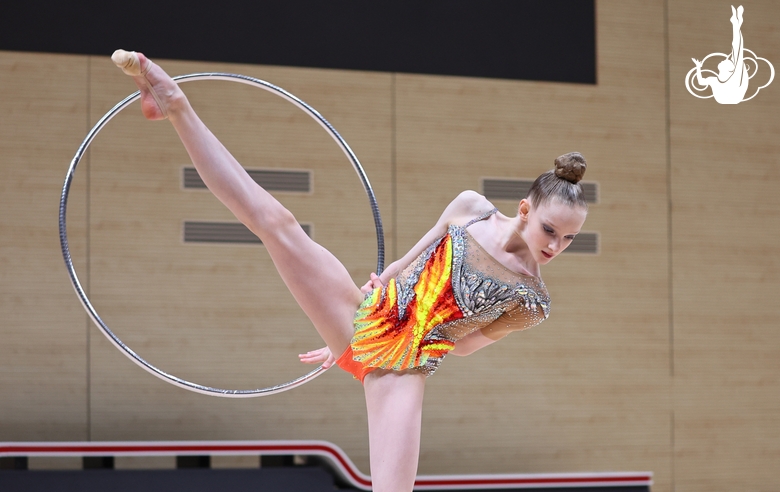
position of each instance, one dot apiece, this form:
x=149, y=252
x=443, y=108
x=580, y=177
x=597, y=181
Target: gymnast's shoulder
x=467, y=205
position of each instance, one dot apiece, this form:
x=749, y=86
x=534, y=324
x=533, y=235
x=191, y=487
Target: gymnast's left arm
x=471, y=343
x=495, y=331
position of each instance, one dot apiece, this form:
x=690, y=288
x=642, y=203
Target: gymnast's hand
x=319, y=356
x=372, y=284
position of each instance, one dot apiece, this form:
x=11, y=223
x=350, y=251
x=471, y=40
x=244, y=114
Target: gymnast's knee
x=274, y=220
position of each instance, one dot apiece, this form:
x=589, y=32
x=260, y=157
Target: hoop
x=170, y=378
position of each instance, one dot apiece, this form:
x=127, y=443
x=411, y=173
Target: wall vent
x=224, y=232
x=517, y=189
x=270, y=179
x=585, y=242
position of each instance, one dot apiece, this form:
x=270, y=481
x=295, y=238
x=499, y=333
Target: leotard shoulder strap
x=481, y=217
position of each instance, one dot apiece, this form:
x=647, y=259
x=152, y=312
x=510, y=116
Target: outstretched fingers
x=320, y=356
x=373, y=283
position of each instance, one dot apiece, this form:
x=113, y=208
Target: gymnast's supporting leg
x=319, y=282
x=394, y=402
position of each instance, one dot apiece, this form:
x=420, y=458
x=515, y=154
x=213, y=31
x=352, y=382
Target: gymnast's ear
x=523, y=208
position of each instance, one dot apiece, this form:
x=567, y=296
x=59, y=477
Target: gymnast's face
x=550, y=227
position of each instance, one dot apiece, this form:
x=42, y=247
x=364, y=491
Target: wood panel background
x=724, y=231
x=661, y=353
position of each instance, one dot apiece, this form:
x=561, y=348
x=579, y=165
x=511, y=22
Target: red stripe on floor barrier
x=341, y=462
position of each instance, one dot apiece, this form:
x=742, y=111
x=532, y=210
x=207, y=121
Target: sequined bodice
x=484, y=289
x=452, y=289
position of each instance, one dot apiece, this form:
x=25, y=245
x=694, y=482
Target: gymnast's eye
x=548, y=230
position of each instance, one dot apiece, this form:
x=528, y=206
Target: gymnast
x=471, y=280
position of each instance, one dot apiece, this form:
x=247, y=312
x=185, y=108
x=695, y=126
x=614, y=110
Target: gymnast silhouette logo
x=730, y=84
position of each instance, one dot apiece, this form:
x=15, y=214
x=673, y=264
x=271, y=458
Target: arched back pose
x=731, y=84
x=472, y=279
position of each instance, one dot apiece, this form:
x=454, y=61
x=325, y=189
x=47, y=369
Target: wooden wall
x=44, y=373
x=661, y=353
x=724, y=241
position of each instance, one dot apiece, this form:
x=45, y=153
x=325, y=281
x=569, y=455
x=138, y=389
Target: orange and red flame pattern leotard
x=452, y=289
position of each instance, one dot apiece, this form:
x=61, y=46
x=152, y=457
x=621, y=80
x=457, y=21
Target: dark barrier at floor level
x=299, y=479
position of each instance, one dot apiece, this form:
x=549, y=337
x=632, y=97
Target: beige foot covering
x=130, y=64
x=128, y=61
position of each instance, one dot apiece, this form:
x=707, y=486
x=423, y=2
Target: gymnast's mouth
x=547, y=255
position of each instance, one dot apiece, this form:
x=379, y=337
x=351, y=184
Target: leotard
x=452, y=289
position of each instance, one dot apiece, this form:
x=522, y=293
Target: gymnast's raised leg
x=319, y=282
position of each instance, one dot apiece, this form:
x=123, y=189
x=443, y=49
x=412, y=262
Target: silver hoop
x=198, y=388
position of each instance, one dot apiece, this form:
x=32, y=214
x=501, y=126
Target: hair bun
x=570, y=167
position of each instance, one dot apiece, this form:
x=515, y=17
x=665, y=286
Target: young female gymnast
x=472, y=279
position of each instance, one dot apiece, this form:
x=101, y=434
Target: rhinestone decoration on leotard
x=441, y=297
x=407, y=280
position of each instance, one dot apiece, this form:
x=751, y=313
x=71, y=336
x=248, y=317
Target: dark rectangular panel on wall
x=517, y=189
x=224, y=232
x=554, y=40
x=585, y=242
x=270, y=179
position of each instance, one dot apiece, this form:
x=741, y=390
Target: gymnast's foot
x=160, y=95
x=736, y=15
